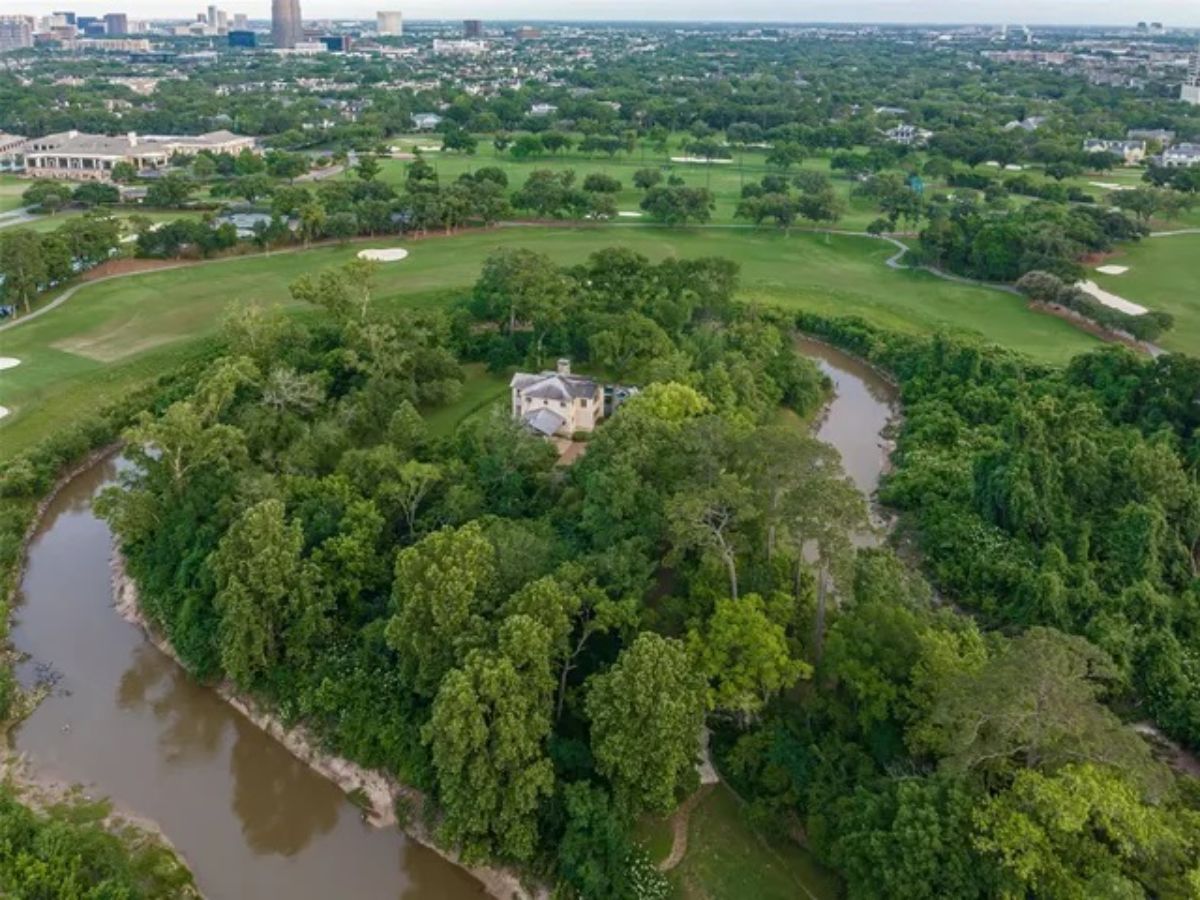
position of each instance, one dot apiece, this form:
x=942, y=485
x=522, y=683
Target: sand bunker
x=701, y=159
x=393, y=255
x=1112, y=270
x=1111, y=300
x=7, y=362
x=624, y=214
x=3, y=411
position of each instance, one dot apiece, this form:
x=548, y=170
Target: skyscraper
x=287, y=28
x=389, y=23
x=472, y=28
x=116, y=23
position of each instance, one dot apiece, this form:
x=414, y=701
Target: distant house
x=543, y=109
x=1130, y=151
x=1163, y=136
x=908, y=135
x=426, y=121
x=1181, y=156
x=557, y=403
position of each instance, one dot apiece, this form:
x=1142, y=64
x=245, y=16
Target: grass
x=654, y=834
x=724, y=180
x=114, y=335
x=45, y=224
x=481, y=390
x=1163, y=275
x=726, y=858
x=11, y=189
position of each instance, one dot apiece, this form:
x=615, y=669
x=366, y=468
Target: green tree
x=257, y=567
x=487, y=736
x=439, y=610
x=745, y=656
x=646, y=712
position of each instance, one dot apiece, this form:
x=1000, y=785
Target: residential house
x=1181, y=156
x=1131, y=152
x=557, y=403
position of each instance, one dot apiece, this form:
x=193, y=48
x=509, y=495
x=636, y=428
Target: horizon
x=1179, y=15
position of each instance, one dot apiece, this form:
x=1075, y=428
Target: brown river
x=127, y=722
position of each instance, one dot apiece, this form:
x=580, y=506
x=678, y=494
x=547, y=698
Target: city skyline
x=1172, y=13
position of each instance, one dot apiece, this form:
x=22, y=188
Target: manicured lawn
x=11, y=189
x=725, y=180
x=1164, y=274
x=50, y=223
x=113, y=335
x=481, y=391
x=727, y=859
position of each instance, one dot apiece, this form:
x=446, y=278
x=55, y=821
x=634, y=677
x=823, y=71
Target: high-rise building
x=16, y=33
x=1190, y=91
x=287, y=28
x=244, y=39
x=68, y=16
x=211, y=18
x=116, y=23
x=389, y=23
x=472, y=28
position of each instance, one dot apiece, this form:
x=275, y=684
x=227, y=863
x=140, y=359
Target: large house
x=557, y=403
x=1180, y=156
x=1131, y=151
x=91, y=157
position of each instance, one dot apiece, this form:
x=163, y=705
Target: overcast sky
x=1076, y=12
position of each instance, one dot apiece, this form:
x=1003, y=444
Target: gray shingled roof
x=544, y=421
x=552, y=386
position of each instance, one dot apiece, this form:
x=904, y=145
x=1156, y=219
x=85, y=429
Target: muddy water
x=127, y=722
x=861, y=408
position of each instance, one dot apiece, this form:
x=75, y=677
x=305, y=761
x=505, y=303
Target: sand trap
x=7, y=362
x=630, y=215
x=1112, y=270
x=393, y=255
x=701, y=159
x=1111, y=300
x=1111, y=185
x=3, y=411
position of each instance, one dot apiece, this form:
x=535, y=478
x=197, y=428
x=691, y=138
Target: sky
x=1184, y=13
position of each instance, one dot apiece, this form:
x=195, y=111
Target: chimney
x=564, y=366
x=133, y=139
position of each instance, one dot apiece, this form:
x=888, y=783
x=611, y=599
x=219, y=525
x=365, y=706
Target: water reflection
x=276, y=800
x=191, y=728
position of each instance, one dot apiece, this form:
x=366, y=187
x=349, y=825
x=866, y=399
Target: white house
x=1180, y=156
x=557, y=403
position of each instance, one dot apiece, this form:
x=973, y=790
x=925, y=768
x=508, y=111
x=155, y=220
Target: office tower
x=211, y=18
x=245, y=39
x=16, y=33
x=389, y=23
x=116, y=23
x=240, y=22
x=472, y=28
x=68, y=17
x=287, y=29
x=1190, y=91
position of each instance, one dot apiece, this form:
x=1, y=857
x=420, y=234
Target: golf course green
x=1163, y=274
x=113, y=335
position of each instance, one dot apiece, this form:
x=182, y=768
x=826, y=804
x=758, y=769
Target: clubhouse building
x=76, y=156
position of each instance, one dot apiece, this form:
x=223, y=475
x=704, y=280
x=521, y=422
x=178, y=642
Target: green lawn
x=114, y=335
x=1163, y=275
x=11, y=189
x=727, y=859
x=725, y=180
x=481, y=391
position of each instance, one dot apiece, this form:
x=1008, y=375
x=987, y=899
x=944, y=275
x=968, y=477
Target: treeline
x=1047, y=288
x=31, y=262
x=969, y=239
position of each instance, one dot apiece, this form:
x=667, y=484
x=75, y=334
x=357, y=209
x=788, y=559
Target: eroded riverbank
x=126, y=721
